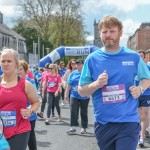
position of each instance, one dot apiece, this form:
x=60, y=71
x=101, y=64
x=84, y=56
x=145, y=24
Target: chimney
x=1, y=18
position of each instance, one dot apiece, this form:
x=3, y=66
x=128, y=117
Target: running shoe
x=71, y=131
x=141, y=143
x=47, y=122
x=62, y=104
x=40, y=115
x=59, y=119
x=83, y=131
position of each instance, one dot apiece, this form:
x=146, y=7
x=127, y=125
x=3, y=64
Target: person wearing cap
x=77, y=101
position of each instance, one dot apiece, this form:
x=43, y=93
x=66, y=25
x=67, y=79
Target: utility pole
x=34, y=51
x=47, y=50
x=43, y=50
x=39, y=48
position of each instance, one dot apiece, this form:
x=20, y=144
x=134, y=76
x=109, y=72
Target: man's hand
x=102, y=79
x=135, y=91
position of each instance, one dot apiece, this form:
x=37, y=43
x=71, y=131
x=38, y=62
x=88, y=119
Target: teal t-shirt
x=4, y=144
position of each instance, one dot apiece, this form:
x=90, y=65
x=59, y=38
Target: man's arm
x=88, y=89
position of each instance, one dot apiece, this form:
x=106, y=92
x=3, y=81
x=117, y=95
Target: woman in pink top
x=15, y=92
x=52, y=84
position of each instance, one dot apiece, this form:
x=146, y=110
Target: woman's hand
x=56, y=93
x=26, y=113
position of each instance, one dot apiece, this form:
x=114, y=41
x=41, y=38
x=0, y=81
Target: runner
x=14, y=94
x=144, y=104
x=108, y=74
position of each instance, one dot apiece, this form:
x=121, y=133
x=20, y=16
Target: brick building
x=140, y=40
x=11, y=39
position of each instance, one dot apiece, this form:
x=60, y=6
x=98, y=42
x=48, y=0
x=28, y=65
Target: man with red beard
x=109, y=76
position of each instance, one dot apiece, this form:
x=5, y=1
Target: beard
x=110, y=43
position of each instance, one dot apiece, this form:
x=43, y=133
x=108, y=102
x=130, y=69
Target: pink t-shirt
x=52, y=82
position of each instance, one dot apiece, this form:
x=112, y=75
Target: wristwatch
x=142, y=89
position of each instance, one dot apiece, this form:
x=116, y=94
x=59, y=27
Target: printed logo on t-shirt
x=127, y=63
x=51, y=84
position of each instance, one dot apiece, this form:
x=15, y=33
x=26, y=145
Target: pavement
x=54, y=136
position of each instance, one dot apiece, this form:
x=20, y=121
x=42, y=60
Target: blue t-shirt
x=73, y=80
x=34, y=116
x=62, y=71
x=113, y=102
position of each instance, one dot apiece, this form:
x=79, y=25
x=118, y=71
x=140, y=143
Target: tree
x=40, y=13
x=69, y=29
x=58, y=21
x=30, y=34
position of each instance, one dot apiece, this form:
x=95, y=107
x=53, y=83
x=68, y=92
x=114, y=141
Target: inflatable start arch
x=62, y=51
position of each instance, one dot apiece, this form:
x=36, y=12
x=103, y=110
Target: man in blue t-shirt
x=108, y=75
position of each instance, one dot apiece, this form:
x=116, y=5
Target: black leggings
x=51, y=98
x=32, y=138
x=19, y=141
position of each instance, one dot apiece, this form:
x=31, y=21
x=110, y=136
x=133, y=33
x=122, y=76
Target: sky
x=131, y=12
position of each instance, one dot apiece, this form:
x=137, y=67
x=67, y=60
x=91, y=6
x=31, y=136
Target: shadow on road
x=43, y=144
x=43, y=132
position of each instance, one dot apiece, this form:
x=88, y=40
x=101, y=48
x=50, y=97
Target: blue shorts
x=144, y=101
x=117, y=136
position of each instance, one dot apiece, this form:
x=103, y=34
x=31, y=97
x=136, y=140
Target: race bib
x=51, y=84
x=9, y=118
x=114, y=94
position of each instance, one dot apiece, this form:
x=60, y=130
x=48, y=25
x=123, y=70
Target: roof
x=5, y=29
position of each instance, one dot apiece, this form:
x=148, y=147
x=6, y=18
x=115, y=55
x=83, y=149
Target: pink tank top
x=11, y=101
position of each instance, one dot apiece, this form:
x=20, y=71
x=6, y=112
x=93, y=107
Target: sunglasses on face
x=62, y=65
x=73, y=63
x=51, y=68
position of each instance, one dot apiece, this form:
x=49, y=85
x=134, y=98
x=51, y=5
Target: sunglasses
x=73, y=63
x=51, y=68
x=62, y=65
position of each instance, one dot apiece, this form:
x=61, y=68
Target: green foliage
x=58, y=23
